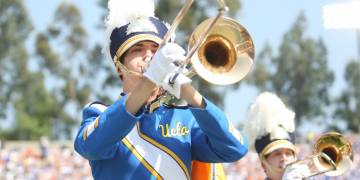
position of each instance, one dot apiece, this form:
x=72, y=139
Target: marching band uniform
x=155, y=145
x=160, y=141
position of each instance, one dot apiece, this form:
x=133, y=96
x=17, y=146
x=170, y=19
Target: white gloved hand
x=296, y=172
x=178, y=79
x=162, y=62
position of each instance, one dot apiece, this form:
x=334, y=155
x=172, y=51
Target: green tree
x=106, y=81
x=22, y=88
x=62, y=55
x=299, y=73
x=348, y=103
x=15, y=27
x=35, y=110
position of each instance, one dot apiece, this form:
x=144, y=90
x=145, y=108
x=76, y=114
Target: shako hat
x=129, y=23
x=270, y=125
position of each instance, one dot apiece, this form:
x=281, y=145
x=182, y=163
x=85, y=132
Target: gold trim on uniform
x=154, y=106
x=91, y=127
x=96, y=125
x=219, y=172
x=141, y=159
x=168, y=151
x=85, y=134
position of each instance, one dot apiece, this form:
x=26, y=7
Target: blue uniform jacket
x=156, y=145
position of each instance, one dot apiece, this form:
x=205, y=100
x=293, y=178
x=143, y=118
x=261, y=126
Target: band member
x=138, y=137
x=270, y=127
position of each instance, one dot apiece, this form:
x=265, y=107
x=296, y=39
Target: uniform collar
x=153, y=105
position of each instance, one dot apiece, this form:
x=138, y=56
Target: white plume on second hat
x=269, y=124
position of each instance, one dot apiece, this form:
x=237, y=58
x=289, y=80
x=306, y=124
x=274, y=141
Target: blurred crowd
x=42, y=161
x=45, y=160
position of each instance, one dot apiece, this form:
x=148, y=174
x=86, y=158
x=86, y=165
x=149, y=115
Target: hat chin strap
x=119, y=65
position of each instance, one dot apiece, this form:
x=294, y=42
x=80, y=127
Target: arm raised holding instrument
x=138, y=137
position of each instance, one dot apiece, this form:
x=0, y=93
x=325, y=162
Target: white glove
x=296, y=172
x=178, y=79
x=162, y=62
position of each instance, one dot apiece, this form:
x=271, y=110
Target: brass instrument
x=333, y=155
x=221, y=50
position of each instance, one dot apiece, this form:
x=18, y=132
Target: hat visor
x=135, y=39
x=278, y=145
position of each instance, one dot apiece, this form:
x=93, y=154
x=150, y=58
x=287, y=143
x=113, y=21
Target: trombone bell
x=226, y=55
x=338, y=149
x=333, y=155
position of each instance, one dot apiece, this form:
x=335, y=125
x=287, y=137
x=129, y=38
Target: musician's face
x=277, y=161
x=136, y=56
x=135, y=60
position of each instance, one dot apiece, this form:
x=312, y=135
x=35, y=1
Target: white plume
x=141, y=24
x=123, y=12
x=265, y=115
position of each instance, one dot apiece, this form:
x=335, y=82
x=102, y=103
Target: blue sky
x=266, y=21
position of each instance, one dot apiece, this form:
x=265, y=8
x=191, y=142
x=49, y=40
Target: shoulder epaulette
x=98, y=105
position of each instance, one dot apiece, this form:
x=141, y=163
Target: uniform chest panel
x=171, y=127
x=161, y=152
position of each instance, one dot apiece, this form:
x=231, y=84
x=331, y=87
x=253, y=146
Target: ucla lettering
x=179, y=130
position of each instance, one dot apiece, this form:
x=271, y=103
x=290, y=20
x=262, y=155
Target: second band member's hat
x=270, y=125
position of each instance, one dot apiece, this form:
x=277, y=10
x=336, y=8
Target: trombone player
x=137, y=137
x=271, y=130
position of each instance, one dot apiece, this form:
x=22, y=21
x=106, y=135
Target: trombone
x=333, y=156
x=220, y=49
